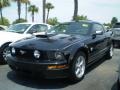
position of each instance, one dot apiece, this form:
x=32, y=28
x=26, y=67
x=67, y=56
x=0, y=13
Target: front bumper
x=40, y=68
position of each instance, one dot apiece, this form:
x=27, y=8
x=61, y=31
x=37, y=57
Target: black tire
x=109, y=53
x=73, y=70
x=2, y=58
x=118, y=85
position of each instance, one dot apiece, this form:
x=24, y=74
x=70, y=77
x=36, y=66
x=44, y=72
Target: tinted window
x=79, y=28
x=38, y=28
x=18, y=28
x=98, y=27
x=117, y=25
x=116, y=32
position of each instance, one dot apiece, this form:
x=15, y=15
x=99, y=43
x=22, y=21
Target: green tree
x=114, y=20
x=108, y=25
x=75, y=9
x=48, y=6
x=5, y=20
x=82, y=17
x=53, y=21
x=44, y=14
x=33, y=9
x=19, y=21
x=3, y=4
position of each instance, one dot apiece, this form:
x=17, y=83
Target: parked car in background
x=16, y=32
x=116, y=35
x=2, y=27
x=66, y=50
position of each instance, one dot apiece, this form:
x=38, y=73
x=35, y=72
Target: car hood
x=10, y=36
x=55, y=42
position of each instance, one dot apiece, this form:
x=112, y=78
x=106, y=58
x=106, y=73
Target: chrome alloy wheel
x=80, y=67
x=5, y=53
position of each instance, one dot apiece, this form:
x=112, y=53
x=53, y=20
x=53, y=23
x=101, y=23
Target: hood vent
x=42, y=36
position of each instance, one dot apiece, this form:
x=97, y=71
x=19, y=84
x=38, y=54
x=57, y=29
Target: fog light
x=37, y=54
x=58, y=56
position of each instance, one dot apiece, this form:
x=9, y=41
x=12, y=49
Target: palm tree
x=75, y=9
x=19, y=7
x=33, y=9
x=48, y=6
x=44, y=14
x=26, y=2
x=3, y=3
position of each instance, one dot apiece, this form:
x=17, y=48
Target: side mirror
x=32, y=31
x=97, y=33
x=107, y=30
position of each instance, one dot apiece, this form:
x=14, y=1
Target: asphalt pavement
x=100, y=76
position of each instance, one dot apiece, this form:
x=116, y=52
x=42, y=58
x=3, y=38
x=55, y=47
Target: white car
x=16, y=32
x=2, y=27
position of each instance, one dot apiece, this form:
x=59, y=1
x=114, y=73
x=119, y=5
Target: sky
x=97, y=10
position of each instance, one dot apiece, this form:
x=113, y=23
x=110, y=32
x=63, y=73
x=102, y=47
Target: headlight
x=37, y=54
x=58, y=55
x=13, y=51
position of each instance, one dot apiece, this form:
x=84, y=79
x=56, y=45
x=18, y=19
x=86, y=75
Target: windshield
x=78, y=28
x=116, y=32
x=18, y=28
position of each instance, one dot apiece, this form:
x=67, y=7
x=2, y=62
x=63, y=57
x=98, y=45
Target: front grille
x=28, y=54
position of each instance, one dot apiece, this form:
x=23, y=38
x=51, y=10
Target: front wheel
x=4, y=52
x=78, y=67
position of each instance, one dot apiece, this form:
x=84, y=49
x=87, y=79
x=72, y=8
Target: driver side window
x=97, y=27
x=37, y=28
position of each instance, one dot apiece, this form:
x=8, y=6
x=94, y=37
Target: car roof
x=85, y=21
x=33, y=23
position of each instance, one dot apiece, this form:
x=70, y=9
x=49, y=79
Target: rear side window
x=38, y=28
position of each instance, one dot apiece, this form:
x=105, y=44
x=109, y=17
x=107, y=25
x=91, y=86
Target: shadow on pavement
x=115, y=87
x=96, y=64
x=36, y=82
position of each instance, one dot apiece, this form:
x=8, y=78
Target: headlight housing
x=13, y=51
x=59, y=56
x=37, y=54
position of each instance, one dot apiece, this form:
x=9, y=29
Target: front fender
x=72, y=50
x=2, y=43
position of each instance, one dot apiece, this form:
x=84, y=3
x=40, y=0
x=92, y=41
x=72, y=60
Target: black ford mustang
x=64, y=51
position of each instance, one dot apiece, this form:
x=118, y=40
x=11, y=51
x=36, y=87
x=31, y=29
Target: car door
x=96, y=43
x=37, y=28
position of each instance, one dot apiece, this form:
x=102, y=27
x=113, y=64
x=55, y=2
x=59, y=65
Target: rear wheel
x=78, y=67
x=118, y=85
x=4, y=52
